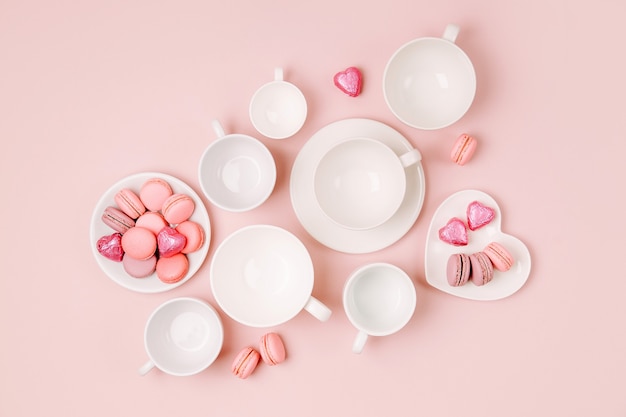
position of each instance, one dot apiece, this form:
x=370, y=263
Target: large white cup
x=237, y=172
x=278, y=109
x=360, y=182
x=379, y=299
x=262, y=276
x=183, y=336
x=429, y=83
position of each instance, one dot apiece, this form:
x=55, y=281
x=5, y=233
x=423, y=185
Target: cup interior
x=359, y=183
x=379, y=299
x=278, y=109
x=262, y=275
x=429, y=83
x=237, y=172
x=183, y=336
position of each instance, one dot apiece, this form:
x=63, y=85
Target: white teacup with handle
x=379, y=299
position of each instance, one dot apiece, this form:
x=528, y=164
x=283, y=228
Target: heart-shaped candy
x=454, y=232
x=479, y=215
x=349, y=81
x=110, y=247
x=170, y=242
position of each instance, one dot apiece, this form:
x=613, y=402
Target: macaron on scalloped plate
x=115, y=270
x=503, y=284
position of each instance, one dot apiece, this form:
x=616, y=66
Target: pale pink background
x=91, y=92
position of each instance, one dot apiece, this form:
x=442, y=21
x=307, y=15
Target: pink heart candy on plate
x=349, y=81
x=438, y=252
x=110, y=247
x=170, y=242
x=479, y=215
x=454, y=232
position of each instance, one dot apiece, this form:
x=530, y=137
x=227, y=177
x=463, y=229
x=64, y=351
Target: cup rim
x=217, y=326
x=268, y=158
x=356, y=275
x=394, y=107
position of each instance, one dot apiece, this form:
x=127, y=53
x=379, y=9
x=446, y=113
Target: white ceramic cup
x=183, y=336
x=278, y=109
x=430, y=83
x=360, y=183
x=237, y=172
x=379, y=299
x=262, y=276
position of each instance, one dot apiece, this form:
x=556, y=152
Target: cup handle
x=217, y=128
x=278, y=74
x=147, y=367
x=411, y=157
x=317, y=309
x=451, y=32
x=359, y=342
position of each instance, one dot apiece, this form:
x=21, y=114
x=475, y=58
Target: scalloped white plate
x=503, y=284
x=115, y=270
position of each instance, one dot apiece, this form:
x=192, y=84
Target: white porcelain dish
x=115, y=270
x=322, y=228
x=503, y=284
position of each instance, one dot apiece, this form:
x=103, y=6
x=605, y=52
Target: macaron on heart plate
x=503, y=284
x=115, y=270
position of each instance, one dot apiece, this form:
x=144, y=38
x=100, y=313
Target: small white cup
x=379, y=300
x=183, y=336
x=360, y=183
x=262, y=276
x=237, y=172
x=278, y=109
x=430, y=83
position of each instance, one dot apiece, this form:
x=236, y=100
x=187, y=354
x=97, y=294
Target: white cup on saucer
x=237, y=172
x=182, y=337
x=278, y=109
x=379, y=299
x=430, y=83
x=360, y=182
x=262, y=276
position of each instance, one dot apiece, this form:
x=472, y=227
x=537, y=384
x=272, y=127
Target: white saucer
x=503, y=284
x=115, y=270
x=311, y=215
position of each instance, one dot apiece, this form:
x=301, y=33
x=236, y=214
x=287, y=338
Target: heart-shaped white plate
x=503, y=284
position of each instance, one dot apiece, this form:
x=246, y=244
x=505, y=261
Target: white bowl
x=237, y=172
x=183, y=336
x=262, y=276
x=430, y=83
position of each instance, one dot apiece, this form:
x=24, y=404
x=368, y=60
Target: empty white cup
x=183, y=336
x=278, y=109
x=237, y=172
x=360, y=183
x=429, y=83
x=379, y=300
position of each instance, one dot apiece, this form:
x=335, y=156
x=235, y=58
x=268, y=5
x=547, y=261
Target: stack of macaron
x=478, y=267
x=153, y=232
x=271, y=351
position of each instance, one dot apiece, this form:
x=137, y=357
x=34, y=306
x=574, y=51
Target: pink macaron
x=117, y=220
x=129, y=203
x=194, y=234
x=482, y=268
x=139, y=268
x=458, y=269
x=152, y=220
x=501, y=258
x=178, y=208
x=272, y=349
x=173, y=269
x=139, y=243
x=245, y=363
x=154, y=192
x=463, y=149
